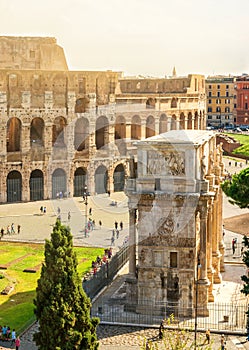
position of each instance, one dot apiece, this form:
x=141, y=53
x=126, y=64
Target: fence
x=223, y=317
x=106, y=273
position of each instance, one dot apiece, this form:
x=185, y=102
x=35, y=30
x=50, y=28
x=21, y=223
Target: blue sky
x=139, y=36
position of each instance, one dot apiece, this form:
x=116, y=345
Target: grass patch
x=244, y=141
x=17, y=309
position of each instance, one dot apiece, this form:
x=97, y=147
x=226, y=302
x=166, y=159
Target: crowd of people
x=10, y=230
x=7, y=335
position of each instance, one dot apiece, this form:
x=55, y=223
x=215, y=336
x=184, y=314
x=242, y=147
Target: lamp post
x=198, y=265
x=85, y=195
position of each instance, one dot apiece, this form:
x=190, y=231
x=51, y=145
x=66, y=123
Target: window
x=218, y=101
x=209, y=94
x=210, y=109
x=210, y=86
x=173, y=259
x=246, y=105
x=227, y=110
x=218, y=87
x=235, y=105
x=209, y=117
x=209, y=101
x=218, y=109
x=227, y=86
x=218, y=94
x=227, y=93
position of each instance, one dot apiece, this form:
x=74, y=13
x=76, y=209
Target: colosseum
x=63, y=129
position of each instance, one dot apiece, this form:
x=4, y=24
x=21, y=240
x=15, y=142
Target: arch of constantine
x=175, y=208
x=62, y=129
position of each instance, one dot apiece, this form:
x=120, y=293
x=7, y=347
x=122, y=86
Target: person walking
x=13, y=337
x=12, y=229
x=17, y=343
x=222, y=342
x=18, y=229
x=116, y=225
x=121, y=225
x=100, y=223
x=69, y=216
x=208, y=336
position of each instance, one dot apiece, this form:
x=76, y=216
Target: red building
x=242, y=105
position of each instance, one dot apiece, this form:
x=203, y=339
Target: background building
x=242, y=90
x=62, y=130
x=221, y=101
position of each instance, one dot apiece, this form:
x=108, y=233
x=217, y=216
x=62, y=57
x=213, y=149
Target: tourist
x=121, y=225
x=208, y=336
x=116, y=225
x=222, y=342
x=18, y=229
x=161, y=328
x=8, y=230
x=13, y=337
x=17, y=343
x=44, y=210
x=41, y=209
x=90, y=211
x=69, y=216
x=100, y=223
x=2, y=232
x=12, y=228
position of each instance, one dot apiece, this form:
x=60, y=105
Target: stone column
x=132, y=241
x=220, y=230
x=215, y=242
x=128, y=130
x=203, y=282
x=92, y=139
x=143, y=129
x=210, y=270
x=157, y=126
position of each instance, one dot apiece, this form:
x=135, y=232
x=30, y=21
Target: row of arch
x=102, y=125
x=59, y=183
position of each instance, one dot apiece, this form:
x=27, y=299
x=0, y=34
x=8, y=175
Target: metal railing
x=222, y=317
x=106, y=273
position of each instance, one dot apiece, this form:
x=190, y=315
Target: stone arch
x=163, y=124
x=101, y=132
x=81, y=134
x=36, y=185
x=189, y=126
x=150, y=126
x=173, y=103
x=151, y=103
x=14, y=131
x=80, y=175
x=136, y=128
x=59, y=182
x=173, y=122
x=182, y=121
x=120, y=128
x=119, y=178
x=14, y=186
x=81, y=105
x=37, y=132
x=58, y=132
x=101, y=179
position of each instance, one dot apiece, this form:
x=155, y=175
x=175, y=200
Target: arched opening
x=81, y=134
x=196, y=122
x=173, y=103
x=163, y=124
x=136, y=128
x=79, y=182
x=173, y=122
x=14, y=129
x=150, y=126
x=101, y=177
x=119, y=178
x=14, y=187
x=151, y=103
x=101, y=133
x=36, y=185
x=120, y=128
x=36, y=132
x=182, y=121
x=58, y=132
x=190, y=121
x=81, y=105
x=59, y=183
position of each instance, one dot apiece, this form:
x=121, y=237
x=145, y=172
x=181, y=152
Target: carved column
x=210, y=270
x=215, y=243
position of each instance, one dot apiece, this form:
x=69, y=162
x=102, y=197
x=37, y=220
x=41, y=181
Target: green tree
x=61, y=306
x=237, y=189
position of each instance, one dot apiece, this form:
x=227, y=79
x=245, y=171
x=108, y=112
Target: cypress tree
x=61, y=306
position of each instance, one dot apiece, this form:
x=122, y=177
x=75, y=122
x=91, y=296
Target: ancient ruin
x=175, y=207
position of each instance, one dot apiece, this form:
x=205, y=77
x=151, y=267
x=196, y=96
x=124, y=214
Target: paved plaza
x=35, y=227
